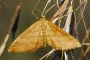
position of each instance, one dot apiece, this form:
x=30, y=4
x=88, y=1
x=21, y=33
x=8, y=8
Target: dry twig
x=14, y=19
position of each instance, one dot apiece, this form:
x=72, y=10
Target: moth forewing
x=60, y=39
x=30, y=40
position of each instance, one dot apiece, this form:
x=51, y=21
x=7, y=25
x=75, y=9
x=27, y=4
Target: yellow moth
x=41, y=34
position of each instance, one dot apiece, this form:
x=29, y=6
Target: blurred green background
x=7, y=9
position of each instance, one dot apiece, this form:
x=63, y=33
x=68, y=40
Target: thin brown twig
x=14, y=18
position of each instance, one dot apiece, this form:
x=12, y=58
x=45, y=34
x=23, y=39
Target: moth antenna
x=45, y=7
x=49, y=9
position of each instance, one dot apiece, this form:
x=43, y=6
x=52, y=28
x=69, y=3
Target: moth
x=43, y=33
